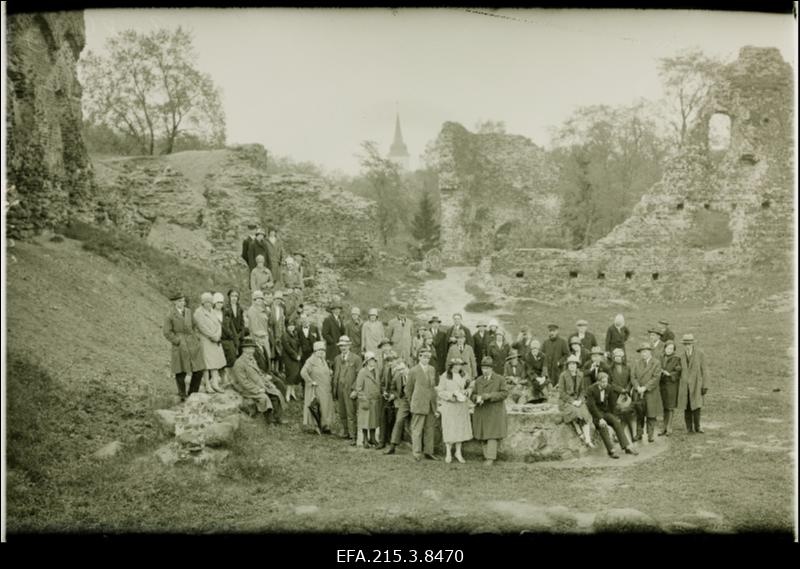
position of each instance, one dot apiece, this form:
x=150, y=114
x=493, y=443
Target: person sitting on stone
x=252, y=383
x=536, y=372
x=601, y=399
x=597, y=364
x=620, y=375
x=572, y=402
x=260, y=276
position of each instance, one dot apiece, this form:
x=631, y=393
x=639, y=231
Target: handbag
x=624, y=402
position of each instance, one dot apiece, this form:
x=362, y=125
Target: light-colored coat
x=187, y=354
x=369, y=393
x=316, y=370
x=257, y=322
x=371, y=334
x=421, y=389
x=649, y=375
x=209, y=331
x=344, y=374
x=693, y=380
x=401, y=333
x=260, y=277
x=252, y=383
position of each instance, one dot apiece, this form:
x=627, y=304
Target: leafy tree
x=490, y=127
x=424, y=228
x=148, y=89
x=383, y=177
x=687, y=78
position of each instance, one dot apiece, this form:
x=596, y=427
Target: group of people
x=385, y=380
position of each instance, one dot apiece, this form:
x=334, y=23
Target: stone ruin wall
x=719, y=223
x=510, y=206
x=47, y=164
x=198, y=204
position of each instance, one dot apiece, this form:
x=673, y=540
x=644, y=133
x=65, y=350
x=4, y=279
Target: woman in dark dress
x=232, y=328
x=670, y=376
x=292, y=358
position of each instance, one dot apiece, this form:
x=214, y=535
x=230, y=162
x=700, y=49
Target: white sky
x=313, y=84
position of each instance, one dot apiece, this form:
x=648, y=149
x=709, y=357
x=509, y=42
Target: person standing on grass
x=256, y=320
x=385, y=368
x=275, y=255
x=489, y=419
x=397, y=395
x=536, y=372
x=463, y=351
x=479, y=340
x=332, y=330
x=219, y=312
x=257, y=247
x=352, y=329
x=277, y=317
x=292, y=359
x=372, y=333
x=318, y=383
x=556, y=351
x=421, y=392
x=261, y=276
x=646, y=377
x=670, y=377
x=453, y=393
x=368, y=394
x=617, y=334
x=587, y=339
x=186, y=357
x=572, y=400
x=601, y=400
x=209, y=331
x=345, y=370
x=252, y=383
x=692, y=388
x=656, y=343
x=400, y=330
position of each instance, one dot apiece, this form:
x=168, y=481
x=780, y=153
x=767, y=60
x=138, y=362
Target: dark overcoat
x=670, y=378
x=693, y=380
x=332, y=330
x=187, y=353
x=649, y=375
x=556, y=351
x=489, y=420
x=232, y=334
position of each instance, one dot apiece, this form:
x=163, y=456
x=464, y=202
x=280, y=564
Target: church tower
x=398, y=153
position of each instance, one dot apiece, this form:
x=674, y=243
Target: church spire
x=398, y=153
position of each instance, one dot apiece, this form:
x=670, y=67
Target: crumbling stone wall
x=676, y=244
x=496, y=191
x=47, y=162
x=198, y=205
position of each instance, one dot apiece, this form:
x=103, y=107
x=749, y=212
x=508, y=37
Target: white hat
x=369, y=356
x=218, y=297
x=206, y=297
x=258, y=294
x=344, y=341
x=319, y=345
x=355, y=310
x=494, y=322
x=289, y=260
x=373, y=312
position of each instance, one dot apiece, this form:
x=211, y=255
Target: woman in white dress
x=453, y=392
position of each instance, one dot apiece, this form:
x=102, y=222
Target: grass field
x=736, y=477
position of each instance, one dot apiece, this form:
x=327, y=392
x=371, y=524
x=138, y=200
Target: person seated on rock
x=256, y=320
x=516, y=378
x=601, y=399
x=571, y=400
x=536, y=372
x=620, y=376
x=261, y=276
x=595, y=365
x=463, y=351
x=252, y=383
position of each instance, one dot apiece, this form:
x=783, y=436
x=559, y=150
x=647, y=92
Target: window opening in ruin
x=765, y=204
x=679, y=206
x=629, y=275
x=601, y=275
x=520, y=274
x=707, y=206
x=573, y=274
x=655, y=276
x=719, y=132
x=748, y=159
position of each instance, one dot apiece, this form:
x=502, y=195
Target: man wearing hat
x=386, y=366
x=421, y=392
x=536, y=371
x=257, y=247
x=523, y=342
x=463, y=351
x=277, y=316
x=576, y=349
x=252, y=383
x=372, y=332
x=400, y=330
x=666, y=333
x=246, y=242
x=345, y=370
x=586, y=338
x=369, y=399
x=595, y=365
x=256, y=320
x=276, y=255
x=556, y=351
x=352, y=329
x=601, y=400
x=489, y=420
x=646, y=377
x=309, y=335
x=186, y=355
x=332, y=330
x=440, y=344
x=458, y=325
x=396, y=396
x=620, y=377
x=656, y=343
x=692, y=387
x=318, y=384
x=617, y=334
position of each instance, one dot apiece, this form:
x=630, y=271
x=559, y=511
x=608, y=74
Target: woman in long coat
x=292, y=355
x=670, y=378
x=489, y=419
x=209, y=330
x=372, y=332
x=232, y=328
x=454, y=407
x=368, y=391
x=318, y=378
x=572, y=400
x=186, y=355
x=261, y=277
x=498, y=350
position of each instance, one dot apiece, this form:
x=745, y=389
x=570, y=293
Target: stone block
x=165, y=421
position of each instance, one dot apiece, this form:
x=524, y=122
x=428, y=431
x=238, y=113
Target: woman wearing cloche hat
x=368, y=393
x=209, y=331
x=372, y=332
x=571, y=400
x=454, y=406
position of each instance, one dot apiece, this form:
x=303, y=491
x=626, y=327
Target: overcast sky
x=313, y=84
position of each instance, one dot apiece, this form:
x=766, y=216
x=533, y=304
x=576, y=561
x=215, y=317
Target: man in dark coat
x=246, y=242
x=536, y=370
x=489, y=420
x=479, y=341
x=595, y=365
x=458, y=325
x=556, y=351
x=308, y=334
x=352, y=328
x=588, y=341
x=692, y=387
x=397, y=396
x=257, y=247
x=422, y=398
x=617, y=334
x=345, y=370
x=332, y=330
x=523, y=343
x=440, y=344
x=601, y=400
x=666, y=333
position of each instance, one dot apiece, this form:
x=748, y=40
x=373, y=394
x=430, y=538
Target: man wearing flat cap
x=666, y=333
x=556, y=351
x=655, y=343
x=587, y=339
x=346, y=367
x=187, y=353
x=332, y=330
x=692, y=387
